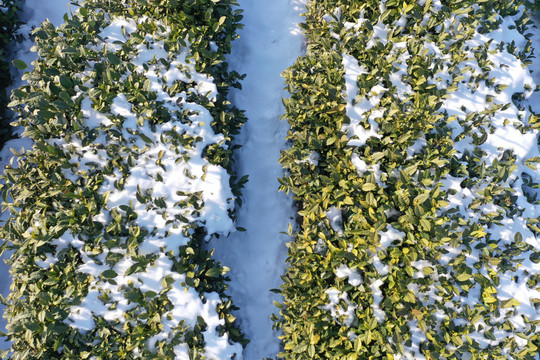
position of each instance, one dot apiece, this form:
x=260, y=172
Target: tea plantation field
x=289, y=179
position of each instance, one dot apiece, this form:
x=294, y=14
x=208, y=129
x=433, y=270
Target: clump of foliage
x=406, y=270
x=55, y=195
x=9, y=22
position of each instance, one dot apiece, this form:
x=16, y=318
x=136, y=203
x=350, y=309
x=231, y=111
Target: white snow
x=380, y=34
x=336, y=219
x=354, y=277
x=313, y=158
x=356, y=110
x=377, y=299
x=337, y=312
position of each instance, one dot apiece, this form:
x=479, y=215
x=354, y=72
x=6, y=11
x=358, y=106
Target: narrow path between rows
x=269, y=43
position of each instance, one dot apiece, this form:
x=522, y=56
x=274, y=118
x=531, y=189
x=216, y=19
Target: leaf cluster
x=398, y=191
x=54, y=193
x=9, y=22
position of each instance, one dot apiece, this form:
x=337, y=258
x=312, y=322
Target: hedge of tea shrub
x=129, y=175
x=9, y=21
x=412, y=161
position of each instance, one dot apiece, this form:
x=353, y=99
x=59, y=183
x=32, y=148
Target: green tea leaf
x=19, y=64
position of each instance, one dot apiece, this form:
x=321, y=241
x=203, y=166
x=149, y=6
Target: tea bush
x=412, y=161
x=9, y=22
x=130, y=173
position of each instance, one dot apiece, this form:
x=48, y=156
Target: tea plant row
x=9, y=22
x=412, y=161
x=130, y=173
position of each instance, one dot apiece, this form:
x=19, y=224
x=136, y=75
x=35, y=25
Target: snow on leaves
x=428, y=135
x=131, y=162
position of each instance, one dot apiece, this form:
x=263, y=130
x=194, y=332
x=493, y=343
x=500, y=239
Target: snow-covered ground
x=34, y=12
x=269, y=43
